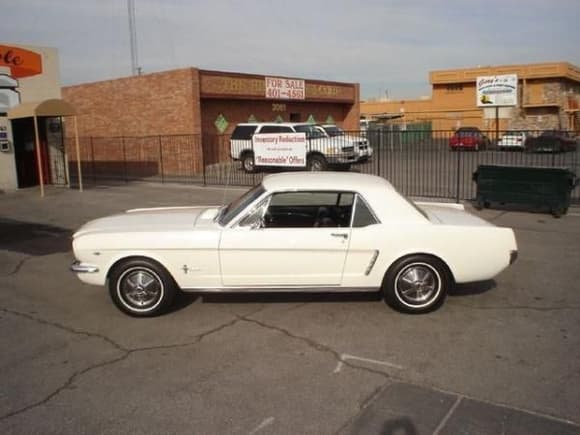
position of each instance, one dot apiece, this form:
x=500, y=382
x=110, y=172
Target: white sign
x=495, y=91
x=285, y=89
x=280, y=149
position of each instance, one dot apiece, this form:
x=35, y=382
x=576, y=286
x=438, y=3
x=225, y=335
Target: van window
x=243, y=132
x=275, y=129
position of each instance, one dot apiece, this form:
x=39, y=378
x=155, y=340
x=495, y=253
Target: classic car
x=297, y=232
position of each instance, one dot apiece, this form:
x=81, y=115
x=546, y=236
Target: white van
x=322, y=150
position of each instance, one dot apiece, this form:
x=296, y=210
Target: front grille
x=347, y=149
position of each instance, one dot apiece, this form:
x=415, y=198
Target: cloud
x=381, y=44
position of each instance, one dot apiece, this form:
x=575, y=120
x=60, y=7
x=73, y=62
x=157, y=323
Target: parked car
x=469, y=138
x=293, y=232
x=361, y=146
x=513, y=140
x=322, y=151
x=551, y=141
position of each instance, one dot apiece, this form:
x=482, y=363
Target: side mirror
x=257, y=224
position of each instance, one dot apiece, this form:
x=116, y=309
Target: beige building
x=29, y=76
x=548, y=97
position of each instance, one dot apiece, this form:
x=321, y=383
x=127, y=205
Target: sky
x=387, y=46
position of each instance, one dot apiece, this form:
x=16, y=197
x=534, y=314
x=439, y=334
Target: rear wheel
x=141, y=287
x=416, y=284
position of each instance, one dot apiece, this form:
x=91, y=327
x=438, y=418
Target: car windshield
x=312, y=131
x=228, y=212
x=333, y=130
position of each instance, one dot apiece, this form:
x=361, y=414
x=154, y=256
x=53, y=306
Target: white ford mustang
x=297, y=231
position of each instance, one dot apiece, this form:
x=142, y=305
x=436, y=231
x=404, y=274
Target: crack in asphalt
x=126, y=352
x=319, y=347
x=18, y=266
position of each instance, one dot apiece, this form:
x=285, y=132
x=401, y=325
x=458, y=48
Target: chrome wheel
x=417, y=285
x=140, y=289
x=316, y=163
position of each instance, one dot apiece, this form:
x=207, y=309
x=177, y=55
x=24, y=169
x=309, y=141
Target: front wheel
x=248, y=163
x=141, y=287
x=316, y=163
x=416, y=284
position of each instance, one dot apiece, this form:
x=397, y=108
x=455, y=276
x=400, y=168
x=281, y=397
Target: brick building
x=548, y=98
x=188, y=114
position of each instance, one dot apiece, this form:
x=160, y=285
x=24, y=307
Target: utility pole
x=135, y=68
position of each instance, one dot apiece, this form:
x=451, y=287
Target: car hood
x=152, y=219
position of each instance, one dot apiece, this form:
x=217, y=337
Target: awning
x=53, y=107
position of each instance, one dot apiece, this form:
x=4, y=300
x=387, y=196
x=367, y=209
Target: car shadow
x=185, y=299
x=472, y=288
x=33, y=238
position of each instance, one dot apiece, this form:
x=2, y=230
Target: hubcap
x=417, y=284
x=249, y=164
x=140, y=288
x=316, y=166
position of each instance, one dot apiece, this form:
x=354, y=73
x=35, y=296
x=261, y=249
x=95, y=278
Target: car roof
x=383, y=198
x=325, y=181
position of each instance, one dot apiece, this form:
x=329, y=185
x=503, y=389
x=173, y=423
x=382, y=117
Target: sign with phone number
x=285, y=89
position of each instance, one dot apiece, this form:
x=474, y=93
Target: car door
x=290, y=239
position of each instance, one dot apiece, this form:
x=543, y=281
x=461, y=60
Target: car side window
x=243, y=132
x=309, y=209
x=275, y=129
x=363, y=215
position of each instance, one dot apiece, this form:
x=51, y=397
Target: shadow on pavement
x=32, y=238
x=185, y=299
x=472, y=288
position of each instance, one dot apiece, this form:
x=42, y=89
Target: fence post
x=458, y=186
x=124, y=159
x=202, y=147
x=161, y=160
x=378, y=151
x=93, y=161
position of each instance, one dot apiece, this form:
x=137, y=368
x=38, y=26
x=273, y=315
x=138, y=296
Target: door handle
x=343, y=235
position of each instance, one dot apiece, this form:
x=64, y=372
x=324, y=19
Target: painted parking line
x=345, y=356
x=267, y=422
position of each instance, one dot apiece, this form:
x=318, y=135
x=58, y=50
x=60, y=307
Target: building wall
x=165, y=103
x=43, y=85
x=168, y=119
x=548, y=95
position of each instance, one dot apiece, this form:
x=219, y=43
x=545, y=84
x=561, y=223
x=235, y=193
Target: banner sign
x=280, y=149
x=285, y=89
x=495, y=91
x=22, y=63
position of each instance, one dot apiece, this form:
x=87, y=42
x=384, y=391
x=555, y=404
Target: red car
x=468, y=138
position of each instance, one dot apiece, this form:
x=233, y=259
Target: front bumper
x=78, y=267
x=341, y=159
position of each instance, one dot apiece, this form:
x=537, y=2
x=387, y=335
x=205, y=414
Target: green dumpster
x=538, y=188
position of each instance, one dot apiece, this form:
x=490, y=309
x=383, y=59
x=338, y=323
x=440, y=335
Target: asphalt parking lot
x=498, y=357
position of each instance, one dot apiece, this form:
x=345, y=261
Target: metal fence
x=419, y=163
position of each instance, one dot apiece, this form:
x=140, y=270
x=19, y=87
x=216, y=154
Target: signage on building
x=22, y=63
x=280, y=149
x=493, y=91
x=285, y=89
